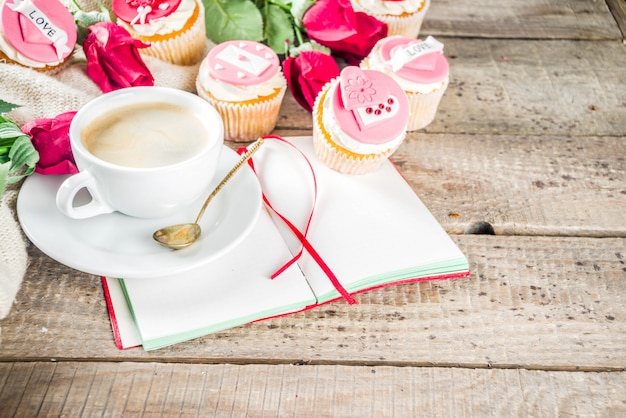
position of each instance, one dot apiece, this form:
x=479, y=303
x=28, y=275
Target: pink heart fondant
x=358, y=90
x=30, y=33
x=425, y=62
x=372, y=126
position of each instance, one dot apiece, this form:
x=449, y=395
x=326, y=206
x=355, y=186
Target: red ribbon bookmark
x=306, y=245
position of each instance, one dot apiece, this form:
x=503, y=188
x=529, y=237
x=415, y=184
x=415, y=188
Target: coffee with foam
x=146, y=135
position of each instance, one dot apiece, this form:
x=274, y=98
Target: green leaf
x=228, y=20
x=6, y=107
x=9, y=130
x=298, y=8
x=18, y=156
x=308, y=46
x=84, y=20
x=23, y=155
x=4, y=173
x=278, y=28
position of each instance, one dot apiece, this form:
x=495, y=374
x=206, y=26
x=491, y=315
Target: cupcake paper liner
x=408, y=25
x=423, y=107
x=47, y=69
x=184, y=49
x=247, y=122
x=335, y=156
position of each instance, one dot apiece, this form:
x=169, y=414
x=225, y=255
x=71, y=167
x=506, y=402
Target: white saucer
x=116, y=245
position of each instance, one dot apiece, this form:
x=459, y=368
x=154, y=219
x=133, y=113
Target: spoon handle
x=244, y=158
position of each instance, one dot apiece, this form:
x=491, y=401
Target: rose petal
x=307, y=74
x=113, y=60
x=349, y=34
x=50, y=137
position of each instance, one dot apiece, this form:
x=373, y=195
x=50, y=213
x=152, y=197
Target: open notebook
x=370, y=231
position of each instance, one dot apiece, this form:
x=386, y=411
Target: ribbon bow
x=142, y=13
x=306, y=244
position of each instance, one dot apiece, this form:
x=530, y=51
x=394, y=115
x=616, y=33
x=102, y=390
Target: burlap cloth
x=41, y=95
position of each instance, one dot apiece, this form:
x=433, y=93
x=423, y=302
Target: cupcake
x=419, y=67
x=403, y=17
x=244, y=82
x=40, y=34
x=359, y=120
x=174, y=29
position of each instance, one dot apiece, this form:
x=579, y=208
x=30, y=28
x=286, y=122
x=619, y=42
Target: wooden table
x=525, y=168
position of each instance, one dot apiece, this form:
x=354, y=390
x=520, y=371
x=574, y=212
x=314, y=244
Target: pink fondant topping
x=370, y=106
x=143, y=11
x=41, y=30
x=242, y=62
x=411, y=59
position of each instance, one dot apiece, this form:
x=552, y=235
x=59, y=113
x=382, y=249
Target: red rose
x=349, y=34
x=306, y=75
x=51, y=139
x=113, y=60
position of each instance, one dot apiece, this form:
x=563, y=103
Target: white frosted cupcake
x=359, y=120
x=419, y=67
x=174, y=29
x=244, y=82
x=39, y=34
x=403, y=17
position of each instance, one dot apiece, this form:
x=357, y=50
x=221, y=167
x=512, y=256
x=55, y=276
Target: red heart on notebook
x=358, y=90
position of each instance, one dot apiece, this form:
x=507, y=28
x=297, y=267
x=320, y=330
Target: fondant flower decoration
x=50, y=137
x=307, y=73
x=113, y=60
x=360, y=88
x=349, y=34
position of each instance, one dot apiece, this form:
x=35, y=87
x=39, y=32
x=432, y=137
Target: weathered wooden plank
x=520, y=185
x=339, y=391
x=534, y=19
x=523, y=87
x=532, y=302
x=618, y=9
x=531, y=185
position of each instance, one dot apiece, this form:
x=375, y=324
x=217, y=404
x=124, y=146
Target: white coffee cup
x=125, y=182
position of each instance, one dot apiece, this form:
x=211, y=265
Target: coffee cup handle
x=68, y=190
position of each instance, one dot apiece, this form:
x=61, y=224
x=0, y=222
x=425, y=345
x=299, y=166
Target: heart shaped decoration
x=359, y=90
x=425, y=62
x=30, y=33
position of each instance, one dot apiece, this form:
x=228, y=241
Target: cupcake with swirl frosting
x=419, y=67
x=36, y=34
x=244, y=82
x=174, y=29
x=359, y=120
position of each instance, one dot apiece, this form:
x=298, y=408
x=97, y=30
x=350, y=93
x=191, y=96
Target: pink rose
x=51, y=139
x=306, y=75
x=349, y=34
x=113, y=60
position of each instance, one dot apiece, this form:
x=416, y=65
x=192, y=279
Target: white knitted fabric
x=13, y=256
x=41, y=95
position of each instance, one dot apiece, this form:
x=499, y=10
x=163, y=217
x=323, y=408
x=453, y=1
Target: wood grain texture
x=531, y=302
x=533, y=19
x=530, y=185
x=618, y=9
x=198, y=390
x=516, y=87
x=530, y=139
